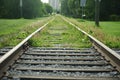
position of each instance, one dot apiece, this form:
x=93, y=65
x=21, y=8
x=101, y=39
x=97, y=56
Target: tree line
x=109, y=9
x=30, y=9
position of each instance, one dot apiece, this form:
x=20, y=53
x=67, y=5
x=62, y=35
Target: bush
x=114, y=17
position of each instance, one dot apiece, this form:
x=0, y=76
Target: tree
x=71, y=8
x=30, y=9
x=109, y=9
x=9, y=9
x=48, y=9
x=90, y=9
x=64, y=7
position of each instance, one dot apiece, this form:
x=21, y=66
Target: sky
x=45, y=1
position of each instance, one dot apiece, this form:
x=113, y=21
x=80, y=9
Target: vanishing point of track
x=39, y=63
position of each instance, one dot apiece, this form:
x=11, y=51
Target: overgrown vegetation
x=14, y=31
x=60, y=34
x=108, y=32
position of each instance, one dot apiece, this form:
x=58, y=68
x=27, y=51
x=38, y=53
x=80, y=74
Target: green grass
x=11, y=26
x=108, y=32
x=60, y=34
x=111, y=28
x=12, y=31
x=15, y=30
x=8, y=26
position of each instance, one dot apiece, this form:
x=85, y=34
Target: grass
x=108, y=32
x=60, y=34
x=112, y=31
x=12, y=31
x=111, y=28
x=11, y=26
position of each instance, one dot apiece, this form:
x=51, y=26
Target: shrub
x=114, y=17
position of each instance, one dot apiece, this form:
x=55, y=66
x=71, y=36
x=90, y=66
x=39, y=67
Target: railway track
x=4, y=50
x=40, y=63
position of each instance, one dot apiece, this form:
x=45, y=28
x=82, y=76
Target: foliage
x=64, y=7
x=9, y=9
x=90, y=9
x=71, y=7
x=47, y=9
x=114, y=17
x=30, y=9
x=107, y=8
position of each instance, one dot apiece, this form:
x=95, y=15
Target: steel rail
x=9, y=58
x=109, y=54
x=63, y=78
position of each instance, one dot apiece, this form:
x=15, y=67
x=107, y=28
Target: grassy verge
x=108, y=32
x=15, y=30
x=10, y=26
x=111, y=28
x=60, y=34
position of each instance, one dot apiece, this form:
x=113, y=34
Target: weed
x=14, y=31
x=60, y=34
x=108, y=32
